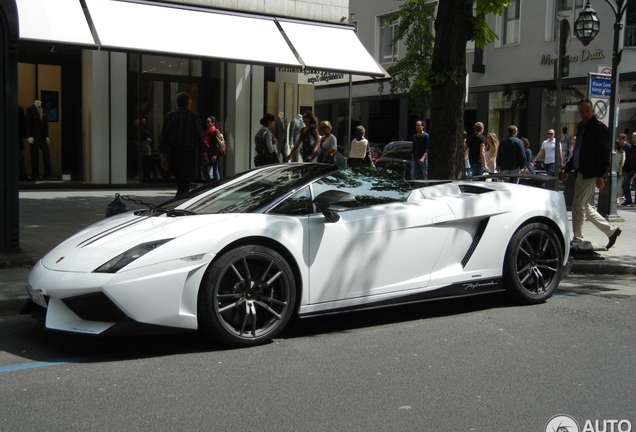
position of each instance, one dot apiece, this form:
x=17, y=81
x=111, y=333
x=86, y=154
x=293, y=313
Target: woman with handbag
x=328, y=144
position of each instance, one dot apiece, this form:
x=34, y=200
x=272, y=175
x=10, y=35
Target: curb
x=602, y=268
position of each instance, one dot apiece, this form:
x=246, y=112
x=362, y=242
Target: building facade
x=512, y=80
x=112, y=88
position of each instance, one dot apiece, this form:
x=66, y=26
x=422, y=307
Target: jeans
x=627, y=190
x=512, y=171
x=549, y=168
x=419, y=171
x=477, y=169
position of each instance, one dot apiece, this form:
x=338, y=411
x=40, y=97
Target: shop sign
x=586, y=54
x=314, y=76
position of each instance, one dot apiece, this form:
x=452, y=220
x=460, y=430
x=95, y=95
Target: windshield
x=247, y=191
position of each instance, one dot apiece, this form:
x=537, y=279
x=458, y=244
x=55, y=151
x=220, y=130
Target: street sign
x=600, y=85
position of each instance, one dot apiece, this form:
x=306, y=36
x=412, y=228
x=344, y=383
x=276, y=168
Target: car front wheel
x=533, y=263
x=247, y=296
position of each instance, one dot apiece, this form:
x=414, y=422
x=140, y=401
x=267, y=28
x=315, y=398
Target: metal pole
x=609, y=210
x=349, y=120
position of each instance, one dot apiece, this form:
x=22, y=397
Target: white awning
x=190, y=31
x=330, y=48
x=58, y=21
x=122, y=25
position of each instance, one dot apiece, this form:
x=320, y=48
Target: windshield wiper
x=171, y=212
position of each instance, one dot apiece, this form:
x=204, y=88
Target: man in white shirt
x=548, y=148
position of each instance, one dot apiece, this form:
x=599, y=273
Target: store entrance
x=156, y=99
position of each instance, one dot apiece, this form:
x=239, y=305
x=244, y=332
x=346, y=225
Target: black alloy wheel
x=247, y=296
x=533, y=263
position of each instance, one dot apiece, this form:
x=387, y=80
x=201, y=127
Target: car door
x=376, y=249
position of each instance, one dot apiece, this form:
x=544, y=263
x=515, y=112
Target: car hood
x=100, y=242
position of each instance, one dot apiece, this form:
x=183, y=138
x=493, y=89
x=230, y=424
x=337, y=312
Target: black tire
x=533, y=264
x=247, y=296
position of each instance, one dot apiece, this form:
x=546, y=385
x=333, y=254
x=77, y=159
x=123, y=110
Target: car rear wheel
x=247, y=296
x=533, y=263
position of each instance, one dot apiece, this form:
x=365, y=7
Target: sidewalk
x=47, y=217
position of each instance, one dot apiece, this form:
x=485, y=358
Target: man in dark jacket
x=590, y=162
x=511, y=156
x=628, y=171
x=182, y=142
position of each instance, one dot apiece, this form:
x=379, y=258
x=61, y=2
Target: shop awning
x=330, y=48
x=191, y=31
x=59, y=21
x=122, y=25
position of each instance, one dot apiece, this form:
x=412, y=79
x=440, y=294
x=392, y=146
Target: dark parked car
x=396, y=156
x=376, y=149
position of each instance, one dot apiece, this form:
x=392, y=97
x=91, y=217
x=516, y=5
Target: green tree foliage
x=413, y=27
x=442, y=75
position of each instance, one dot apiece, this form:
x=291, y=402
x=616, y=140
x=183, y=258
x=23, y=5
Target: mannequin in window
x=295, y=127
x=37, y=132
x=281, y=134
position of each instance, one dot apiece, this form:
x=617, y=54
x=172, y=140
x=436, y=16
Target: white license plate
x=37, y=296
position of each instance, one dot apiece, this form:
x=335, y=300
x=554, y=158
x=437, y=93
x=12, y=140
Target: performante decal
x=478, y=285
x=460, y=289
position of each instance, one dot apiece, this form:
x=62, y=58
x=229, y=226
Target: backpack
x=261, y=144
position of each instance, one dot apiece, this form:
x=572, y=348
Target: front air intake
x=94, y=307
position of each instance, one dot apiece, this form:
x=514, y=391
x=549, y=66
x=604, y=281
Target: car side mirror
x=332, y=201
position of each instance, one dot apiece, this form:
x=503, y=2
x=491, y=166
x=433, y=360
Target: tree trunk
x=453, y=30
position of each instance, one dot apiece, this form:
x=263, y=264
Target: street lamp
x=587, y=25
x=586, y=28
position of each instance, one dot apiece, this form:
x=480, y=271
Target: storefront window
x=153, y=91
x=507, y=108
x=161, y=65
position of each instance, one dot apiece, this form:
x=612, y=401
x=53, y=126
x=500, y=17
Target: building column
x=245, y=99
x=104, y=108
x=9, y=187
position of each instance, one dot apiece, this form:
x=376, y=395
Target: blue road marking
x=563, y=293
x=33, y=365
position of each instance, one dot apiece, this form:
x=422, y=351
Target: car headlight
x=122, y=260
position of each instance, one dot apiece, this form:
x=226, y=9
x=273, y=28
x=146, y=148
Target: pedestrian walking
x=628, y=171
x=492, y=147
x=590, y=163
x=511, y=158
x=476, y=146
x=182, y=142
x=419, y=155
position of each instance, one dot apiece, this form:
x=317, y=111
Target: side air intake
x=471, y=189
x=480, y=232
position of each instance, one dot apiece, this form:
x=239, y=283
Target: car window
x=370, y=186
x=402, y=151
x=297, y=204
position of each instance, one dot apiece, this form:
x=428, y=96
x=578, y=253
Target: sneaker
x=612, y=238
x=627, y=204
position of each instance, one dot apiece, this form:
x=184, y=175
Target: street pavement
x=47, y=217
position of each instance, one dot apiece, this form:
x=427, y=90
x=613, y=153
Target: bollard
x=115, y=207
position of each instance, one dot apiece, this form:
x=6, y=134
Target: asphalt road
x=480, y=364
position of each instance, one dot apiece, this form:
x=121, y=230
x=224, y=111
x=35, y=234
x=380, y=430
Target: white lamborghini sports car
x=238, y=258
